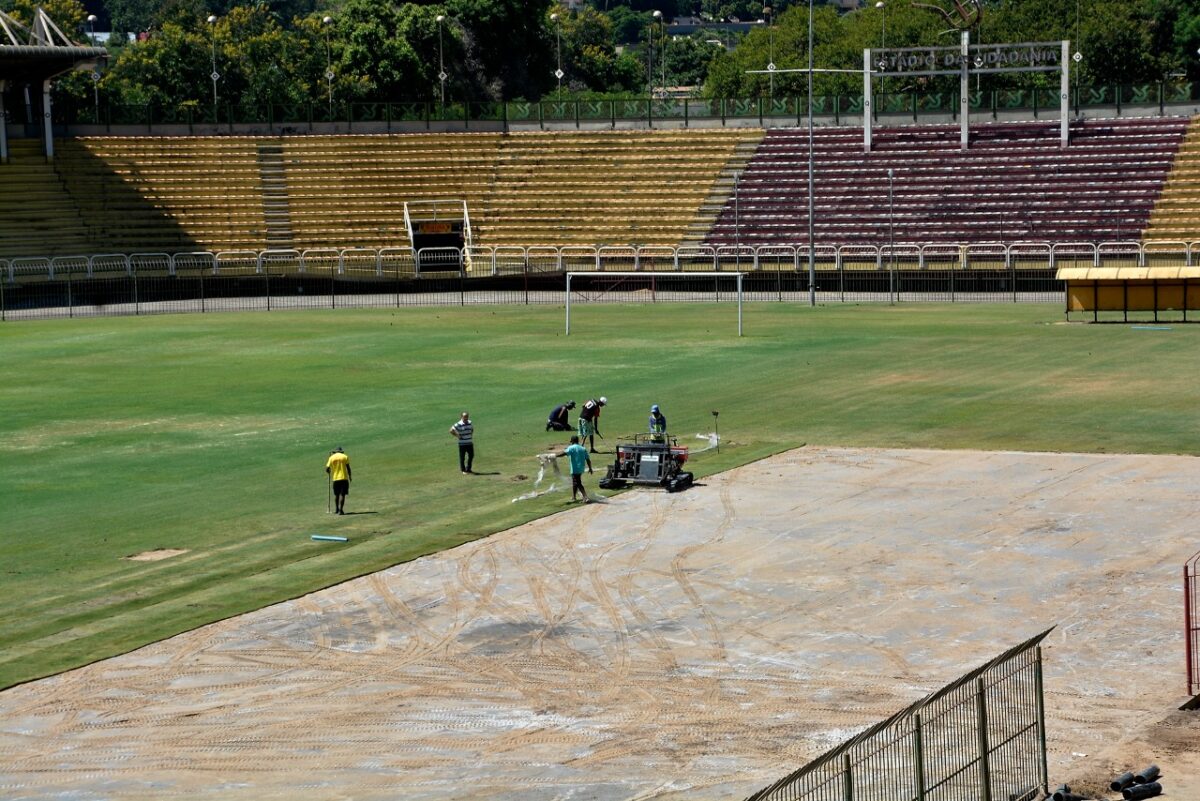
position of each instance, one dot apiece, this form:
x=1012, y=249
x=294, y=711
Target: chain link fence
x=979, y=738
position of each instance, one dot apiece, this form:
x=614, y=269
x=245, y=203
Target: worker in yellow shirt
x=338, y=469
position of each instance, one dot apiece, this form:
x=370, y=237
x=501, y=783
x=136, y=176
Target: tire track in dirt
x=718, y=653
x=572, y=584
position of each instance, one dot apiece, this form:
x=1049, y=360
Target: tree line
x=312, y=51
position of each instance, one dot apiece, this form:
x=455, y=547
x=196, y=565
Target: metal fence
x=1191, y=623
x=981, y=738
x=97, y=110
x=142, y=283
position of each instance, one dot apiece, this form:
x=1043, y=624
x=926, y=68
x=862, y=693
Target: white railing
x=482, y=260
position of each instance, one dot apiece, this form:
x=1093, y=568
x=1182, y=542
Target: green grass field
x=209, y=432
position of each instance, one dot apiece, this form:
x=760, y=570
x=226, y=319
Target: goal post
x=651, y=287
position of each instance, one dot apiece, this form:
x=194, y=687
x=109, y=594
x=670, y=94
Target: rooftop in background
x=42, y=51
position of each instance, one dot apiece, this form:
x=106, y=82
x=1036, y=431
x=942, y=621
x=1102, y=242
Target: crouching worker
x=579, y=460
x=560, y=418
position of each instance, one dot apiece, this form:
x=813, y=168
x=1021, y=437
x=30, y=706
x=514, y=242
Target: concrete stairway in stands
x=38, y=216
x=276, y=207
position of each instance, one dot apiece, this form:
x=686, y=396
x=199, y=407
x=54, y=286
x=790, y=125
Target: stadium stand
x=622, y=187
x=350, y=191
x=1176, y=215
x=39, y=217
x=641, y=187
x=1015, y=183
x=157, y=194
x=160, y=194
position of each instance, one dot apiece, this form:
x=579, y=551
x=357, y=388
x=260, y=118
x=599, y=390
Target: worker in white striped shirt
x=464, y=432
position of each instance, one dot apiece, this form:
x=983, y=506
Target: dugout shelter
x=31, y=58
x=1135, y=288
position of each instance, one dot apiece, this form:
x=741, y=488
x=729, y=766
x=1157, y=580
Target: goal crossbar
x=655, y=275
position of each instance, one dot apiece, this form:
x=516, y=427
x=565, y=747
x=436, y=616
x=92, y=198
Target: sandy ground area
x=697, y=645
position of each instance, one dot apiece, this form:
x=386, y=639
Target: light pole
x=1078, y=57
x=216, y=76
x=891, y=233
x=882, y=6
x=771, y=51
x=812, y=258
x=326, y=23
x=650, y=62
x=91, y=21
x=558, y=73
x=662, y=56
x=737, y=228
x=441, y=63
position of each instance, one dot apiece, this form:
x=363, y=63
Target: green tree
x=167, y=70
x=67, y=14
x=508, y=46
x=688, y=59
x=628, y=26
x=131, y=16
x=370, y=58
x=590, y=60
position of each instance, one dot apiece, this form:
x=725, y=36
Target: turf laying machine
x=650, y=459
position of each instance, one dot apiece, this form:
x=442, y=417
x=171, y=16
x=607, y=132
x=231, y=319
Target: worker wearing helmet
x=589, y=422
x=658, y=424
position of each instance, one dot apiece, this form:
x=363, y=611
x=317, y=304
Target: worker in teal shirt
x=579, y=460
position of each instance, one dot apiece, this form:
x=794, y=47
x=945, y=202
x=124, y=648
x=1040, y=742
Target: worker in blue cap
x=658, y=424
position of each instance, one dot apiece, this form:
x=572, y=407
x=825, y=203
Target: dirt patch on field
x=697, y=645
x=156, y=555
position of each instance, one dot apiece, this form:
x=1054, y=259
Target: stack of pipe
x=1138, y=786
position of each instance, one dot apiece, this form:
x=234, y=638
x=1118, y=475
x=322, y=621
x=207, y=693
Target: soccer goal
x=654, y=287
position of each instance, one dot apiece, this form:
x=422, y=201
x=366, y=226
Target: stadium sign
x=963, y=60
x=982, y=57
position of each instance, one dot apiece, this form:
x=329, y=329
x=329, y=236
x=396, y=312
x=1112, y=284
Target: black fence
x=77, y=292
x=97, y=110
x=982, y=738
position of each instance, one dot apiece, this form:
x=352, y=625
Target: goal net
x=590, y=288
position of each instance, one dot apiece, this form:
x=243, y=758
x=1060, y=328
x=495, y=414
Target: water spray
x=717, y=429
x=544, y=460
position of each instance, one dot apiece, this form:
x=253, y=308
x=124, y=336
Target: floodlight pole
x=91, y=21
x=558, y=37
x=325, y=23
x=739, y=291
x=737, y=227
x=882, y=6
x=662, y=56
x=891, y=236
x=650, y=63
x=212, y=24
x=441, y=64
x=767, y=10
x=812, y=264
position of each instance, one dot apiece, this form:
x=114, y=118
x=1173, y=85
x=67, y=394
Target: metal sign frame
x=962, y=61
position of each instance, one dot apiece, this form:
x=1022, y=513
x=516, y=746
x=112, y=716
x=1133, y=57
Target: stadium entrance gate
x=439, y=231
